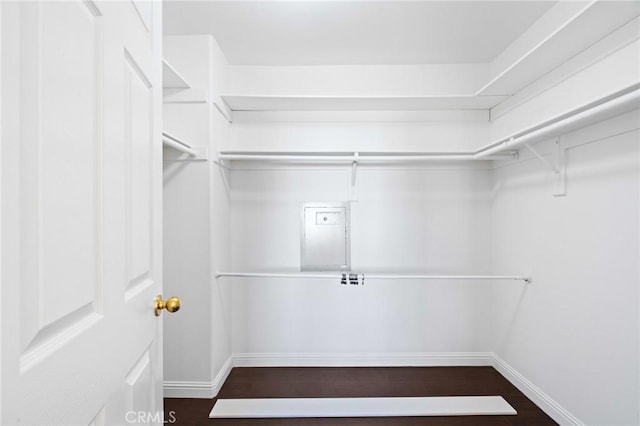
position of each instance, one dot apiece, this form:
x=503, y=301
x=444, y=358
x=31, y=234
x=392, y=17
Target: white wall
x=196, y=224
x=430, y=220
x=357, y=80
x=220, y=258
x=187, y=351
x=574, y=331
x=447, y=135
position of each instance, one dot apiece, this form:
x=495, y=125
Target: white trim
x=206, y=390
x=535, y=394
x=2, y=203
x=222, y=375
x=435, y=359
x=174, y=389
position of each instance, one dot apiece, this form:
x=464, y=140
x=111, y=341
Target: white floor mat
x=362, y=407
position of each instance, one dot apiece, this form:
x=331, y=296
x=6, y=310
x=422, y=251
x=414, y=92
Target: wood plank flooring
x=304, y=382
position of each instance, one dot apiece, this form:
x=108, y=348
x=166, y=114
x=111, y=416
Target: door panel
x=61, y=221
x=81, y=200
x=139, y=381
x=138, y=138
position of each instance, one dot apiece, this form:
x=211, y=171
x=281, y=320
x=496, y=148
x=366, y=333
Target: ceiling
x=355, y=32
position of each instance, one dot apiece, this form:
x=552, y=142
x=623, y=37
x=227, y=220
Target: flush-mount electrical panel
x=325, y=237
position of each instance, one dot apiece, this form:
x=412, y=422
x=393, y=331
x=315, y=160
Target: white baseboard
x=174, y=389
x=535, y=394
x=437, y=359
x=206, y=390
x=222, y=375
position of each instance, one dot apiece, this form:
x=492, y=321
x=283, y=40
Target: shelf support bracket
x=353, y=188
x=546, y=162
x=354, y=173
x=223, y=168
x=560, y=178
x=557, y=166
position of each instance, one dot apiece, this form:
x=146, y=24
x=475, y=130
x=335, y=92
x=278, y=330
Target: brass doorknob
x=172, y=304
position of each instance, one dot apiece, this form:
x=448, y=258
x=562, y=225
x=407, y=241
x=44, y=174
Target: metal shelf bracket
x=353, y=188
x=560, y=178
x=557, y=166
x=224, y=170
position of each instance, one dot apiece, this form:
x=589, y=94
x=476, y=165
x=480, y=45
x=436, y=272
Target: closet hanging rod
x=505, y=149
x=374, y=276
x=177, y=144
x=359, y=157
x=607, y=107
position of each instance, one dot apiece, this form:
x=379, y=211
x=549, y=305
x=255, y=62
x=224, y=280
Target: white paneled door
x=81, y=203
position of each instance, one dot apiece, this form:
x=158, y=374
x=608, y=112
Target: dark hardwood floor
x=297, y=382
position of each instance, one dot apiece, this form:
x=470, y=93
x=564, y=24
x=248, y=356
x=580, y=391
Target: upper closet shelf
x=506, y=147
x=373, y=103
x=595, y=26
x=176, y=89
x=171, y=79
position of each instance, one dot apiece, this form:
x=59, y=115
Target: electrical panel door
x=325, y=244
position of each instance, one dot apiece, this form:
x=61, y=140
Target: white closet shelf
x=171, y=79
x=617, y=103
x=176, y=89
x=179, y=145
x=374, y=276
x=361, y=103
x=606, y=107
x=595, y=21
